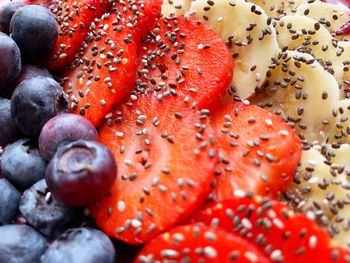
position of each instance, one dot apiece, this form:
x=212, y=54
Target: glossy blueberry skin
x=32, y=71
x=63, y=129
x=10, y=62
x=35, y=101
x=20, y=244
x=81, y=245
x=9, y=131
x=28, y=72
x=34, y=29
x=9, y=202
x=22, y=164
x=42, y=211
x=6, y=13
x=81, y=173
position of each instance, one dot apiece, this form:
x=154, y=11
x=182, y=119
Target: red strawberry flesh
x=199, y=244
x=258, y=151
x=165, y=161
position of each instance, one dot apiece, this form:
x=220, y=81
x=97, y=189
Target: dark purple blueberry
x=63, y=129
x=35, y=101
x=6, y=13
x=21, y=244
x=32, y=71
x=28, y=72
x=8, y=130
x=42, y=211
x=81, y=173
x=10, y=61
x=80, y=245
x=9, y=202
x=34, y=29
x=22, y=163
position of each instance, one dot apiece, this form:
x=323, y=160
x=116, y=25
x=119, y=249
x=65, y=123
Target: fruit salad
x=152, y=131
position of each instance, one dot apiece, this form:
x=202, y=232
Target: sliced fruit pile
x=156, y=152
x=163, y=147
x=305, y=80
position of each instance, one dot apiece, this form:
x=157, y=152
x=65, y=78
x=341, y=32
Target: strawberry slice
x=166, y=160
x=185, y=56
x=106, y=70
x=257, y=151
x=73, y=19
x=195, y=243
x=140, y=14
x=105, y=73
x=273, y=228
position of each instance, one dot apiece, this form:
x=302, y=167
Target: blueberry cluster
x=52, y=164
x=28, y=36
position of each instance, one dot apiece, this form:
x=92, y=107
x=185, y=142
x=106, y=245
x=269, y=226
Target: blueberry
x=21, y=244
x=42, y=211
x=35, y=101
x=6, y=13
x=80, y=245
x=32, y=71
x=10, y=62
x=34, y=29
x=62, y=129
x=9, y=202
x=8, y=131
x=28, y=72
x=81, y=173
x=22, y=163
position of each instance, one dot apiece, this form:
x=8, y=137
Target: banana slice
x=329, y=15
x=304, y=34
x=250, y=35
x=341, y=156
x=322, y=192
x=278, y=8
x=345, y=59
x=299, y=89
x=340, y=132
x=177, y=7
x=342, y=161
x=339, y=226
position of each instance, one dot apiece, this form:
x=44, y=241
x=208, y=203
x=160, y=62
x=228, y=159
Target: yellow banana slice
x=304, y=34
x=299, y=89
x=340, y=132
x=329, y=15
x=250, y=35
x=345, y=59
x=322, y=191
x=340, y=223
x=277, y=8
x=341, y=156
